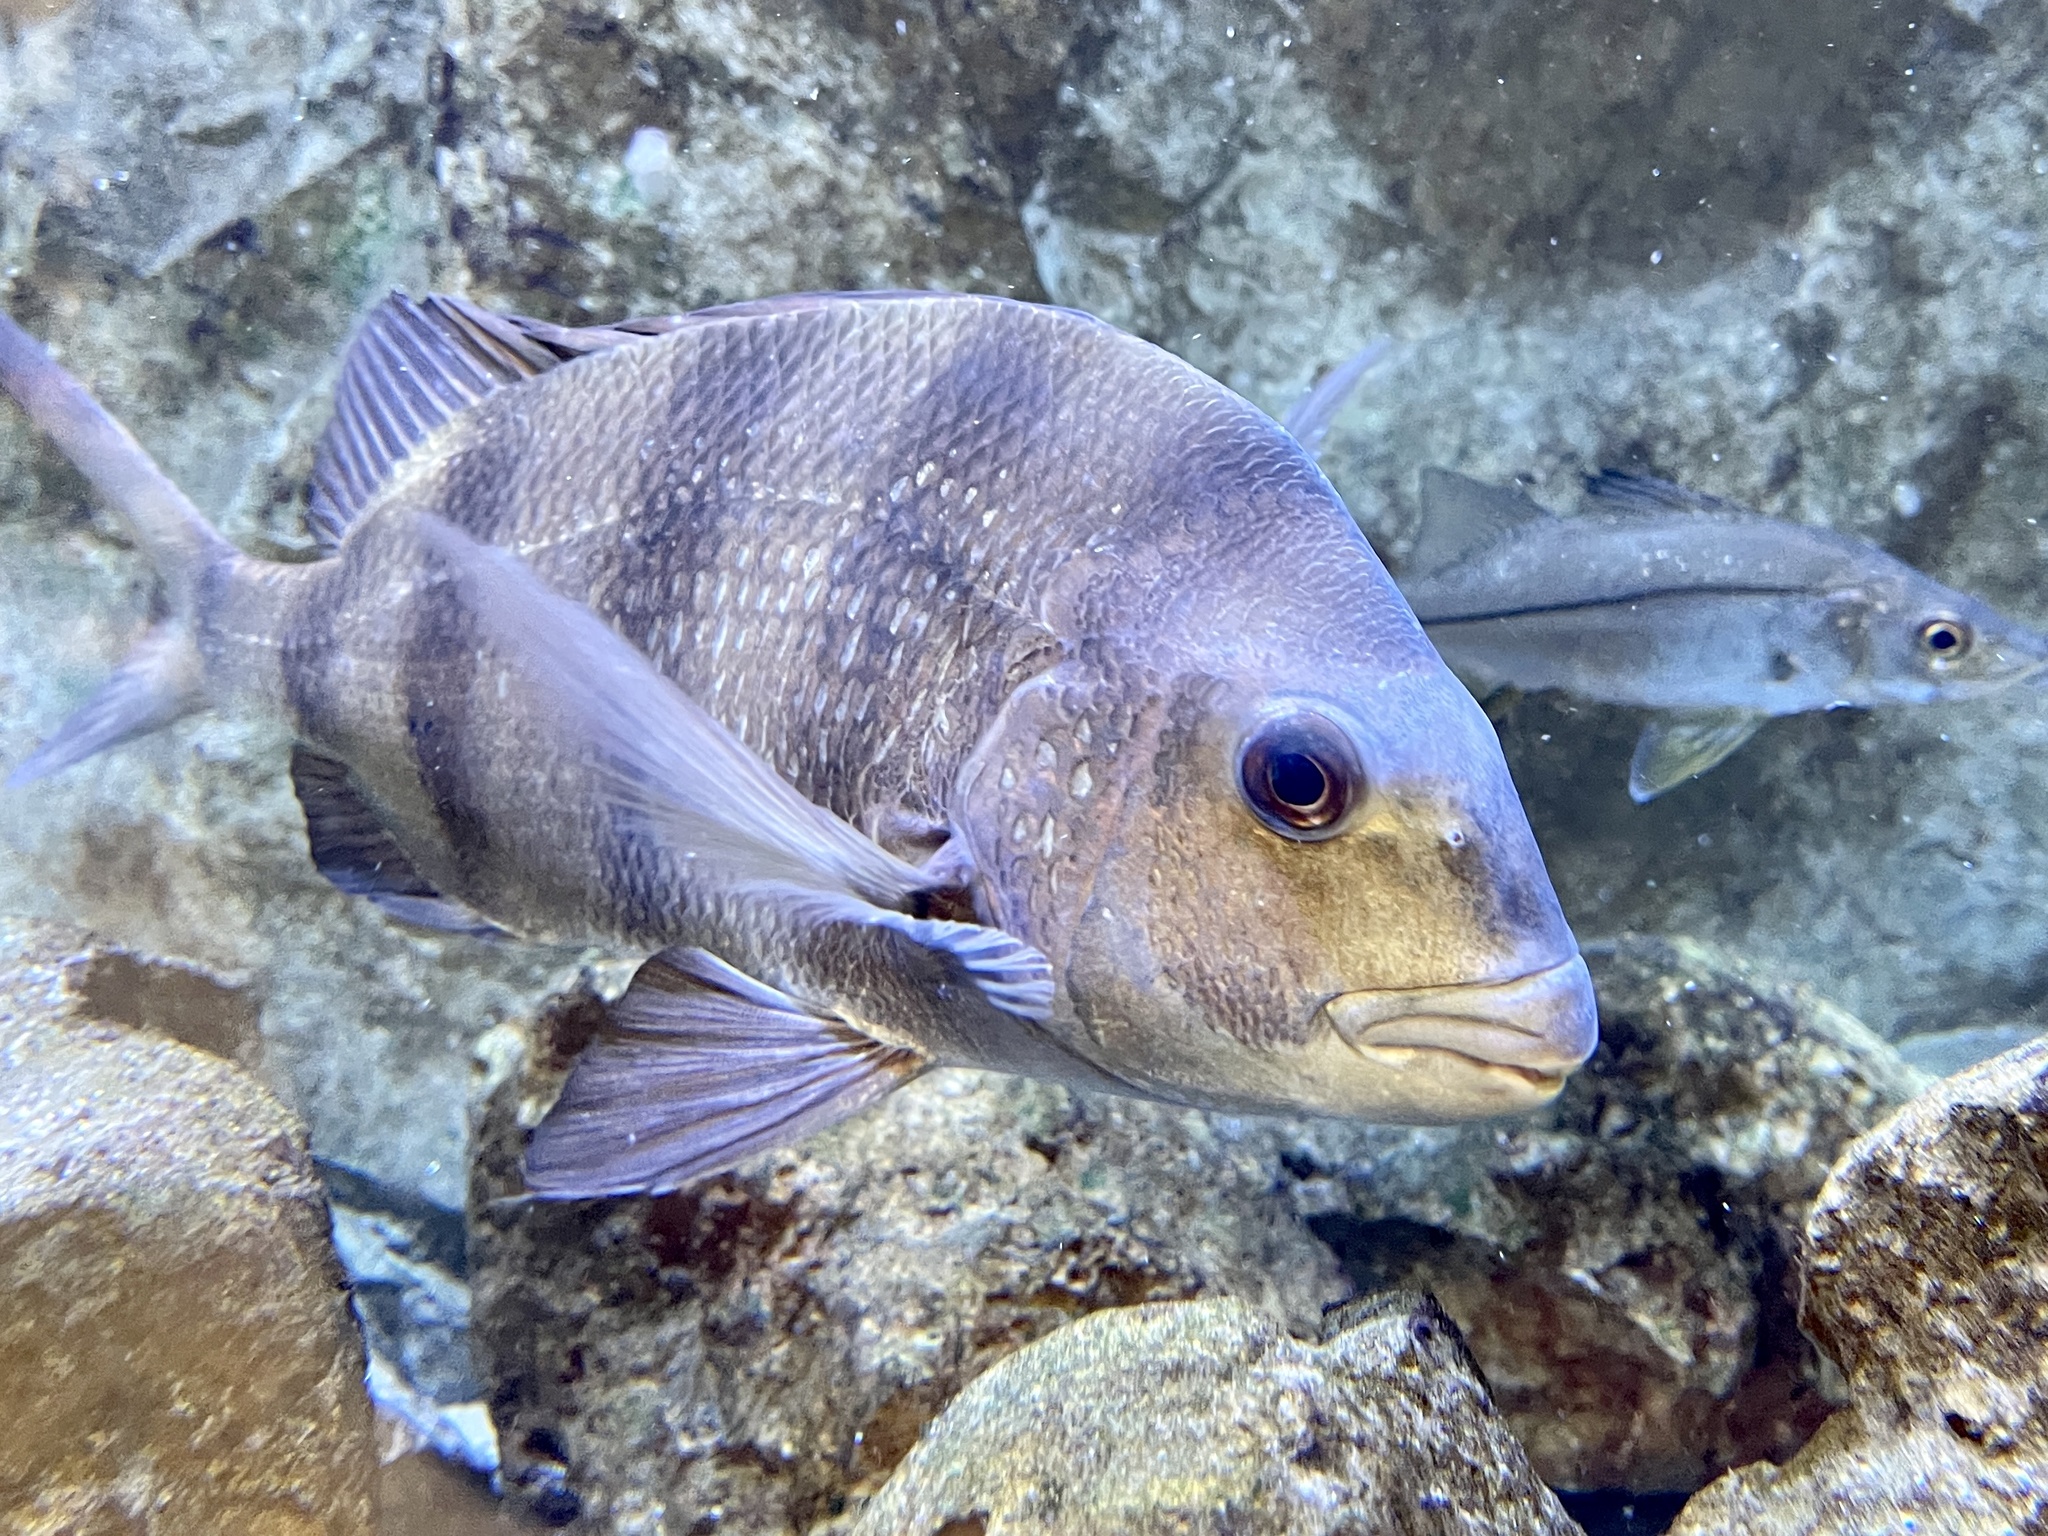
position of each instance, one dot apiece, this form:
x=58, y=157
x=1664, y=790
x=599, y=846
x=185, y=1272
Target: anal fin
x=355, y=850
x=1680, y=746
x=702, y=1066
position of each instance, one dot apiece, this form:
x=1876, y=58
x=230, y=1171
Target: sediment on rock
x=772, y=1341
x=1207, y=1415
x=174, y=1331
x=1926, y=1252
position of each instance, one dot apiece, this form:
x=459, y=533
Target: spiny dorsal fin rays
x=664, y=755
x=1310, y=417
x=1621, y=491
x=1461, y=515
x=415, y=365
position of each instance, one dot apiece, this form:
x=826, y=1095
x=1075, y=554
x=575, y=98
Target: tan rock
x=1927, y=1281
x=1209, y=1416
x=176, y=1350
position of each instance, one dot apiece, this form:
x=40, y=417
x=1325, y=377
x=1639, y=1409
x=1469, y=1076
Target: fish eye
x=1945, y=639
x=1300, y=775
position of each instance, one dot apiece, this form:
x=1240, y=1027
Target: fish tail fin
x=161, y=680
x=164, y=677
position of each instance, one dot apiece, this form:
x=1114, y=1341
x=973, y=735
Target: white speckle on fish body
x=1048, y=757
x=1081, y=782
x=1020, y=830
x=1045, y=837
x=925, y=471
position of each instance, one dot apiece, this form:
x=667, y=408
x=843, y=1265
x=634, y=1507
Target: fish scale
x=902, y=674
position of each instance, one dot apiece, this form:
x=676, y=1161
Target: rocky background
x=1788, y=254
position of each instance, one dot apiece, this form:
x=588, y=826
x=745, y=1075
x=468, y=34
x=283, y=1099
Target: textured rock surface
x=1927, y=1279
x=771, y=1343
x=1621, y=1266
x=1209, y=1416
x=174, y=1336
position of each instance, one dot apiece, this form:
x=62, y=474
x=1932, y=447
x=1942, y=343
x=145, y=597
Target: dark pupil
x=1297, y=780
x=1941, y=638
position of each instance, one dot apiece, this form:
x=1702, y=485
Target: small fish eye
x=1946, y=639
x=1300, y=775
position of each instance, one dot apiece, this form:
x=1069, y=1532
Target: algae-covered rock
x=660, y=157
x=1208, y=1416
x=769, y=1343
x=1621, y=1266
x=1927, y=1281
x=175, y=1341
x=772, y=1341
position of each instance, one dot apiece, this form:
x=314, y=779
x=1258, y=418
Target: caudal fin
x=164, y=677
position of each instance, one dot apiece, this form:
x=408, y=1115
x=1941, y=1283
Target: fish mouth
x=1492, y=1047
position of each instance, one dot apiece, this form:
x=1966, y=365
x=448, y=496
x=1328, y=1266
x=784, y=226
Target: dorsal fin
x=1460, y=515
x=1309, y=418
x=1621, y=491
x=415, y=365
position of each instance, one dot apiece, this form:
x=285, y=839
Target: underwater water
x=1732, y=316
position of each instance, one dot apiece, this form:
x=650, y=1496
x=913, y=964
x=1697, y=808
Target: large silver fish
x=1673, y=600
x=922, y=679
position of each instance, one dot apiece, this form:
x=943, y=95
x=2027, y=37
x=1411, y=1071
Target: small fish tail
x=164, y=677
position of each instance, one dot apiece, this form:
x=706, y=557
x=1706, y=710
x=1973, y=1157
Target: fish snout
x=1480, y=1048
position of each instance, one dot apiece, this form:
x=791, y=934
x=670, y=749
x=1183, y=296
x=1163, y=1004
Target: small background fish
x=1672, y=600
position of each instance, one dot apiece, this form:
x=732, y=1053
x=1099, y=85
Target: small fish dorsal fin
x=1460, y=515
x=1620, y=491
x=416, y=364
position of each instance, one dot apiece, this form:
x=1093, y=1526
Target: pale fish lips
x=1486, y=1048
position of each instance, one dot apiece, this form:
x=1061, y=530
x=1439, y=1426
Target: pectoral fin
x=702, y=1066
x=1677, y=747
